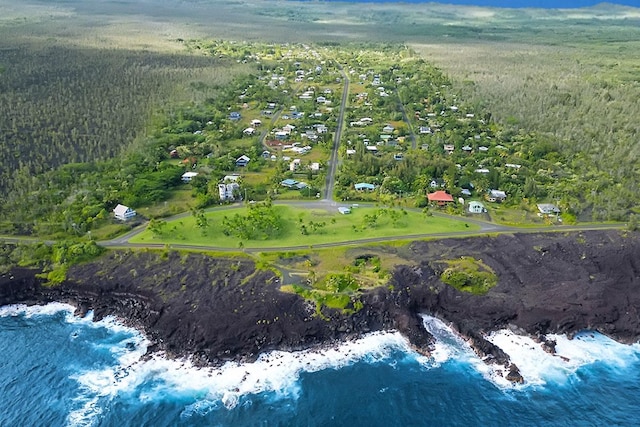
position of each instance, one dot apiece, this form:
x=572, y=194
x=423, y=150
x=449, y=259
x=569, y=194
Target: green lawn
x=338, y=228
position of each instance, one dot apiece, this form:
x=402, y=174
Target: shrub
x=469, y=275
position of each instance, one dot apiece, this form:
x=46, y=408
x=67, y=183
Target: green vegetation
x=54, y=259
x=261, y=222
x=260, y=226
x=337, y=291
x=469, y=275
x=100, y=115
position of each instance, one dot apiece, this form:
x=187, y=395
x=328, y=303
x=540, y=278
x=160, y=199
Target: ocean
x=61, y=370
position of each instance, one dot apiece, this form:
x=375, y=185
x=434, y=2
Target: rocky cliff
x=215, y=309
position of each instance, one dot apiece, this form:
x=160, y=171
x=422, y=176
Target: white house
x=476, y=207
x=231, y=178
x=188, y=176
x=226, y=191
x=242, y=161
x=123, y=212
x=548, y=209
x=294, y=165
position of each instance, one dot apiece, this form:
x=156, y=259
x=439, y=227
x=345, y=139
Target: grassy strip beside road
x=303, y=227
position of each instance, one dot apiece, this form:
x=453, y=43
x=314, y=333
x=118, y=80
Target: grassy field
x=338, y=228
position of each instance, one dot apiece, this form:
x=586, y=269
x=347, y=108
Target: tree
x=201, y=219
x=156, y=227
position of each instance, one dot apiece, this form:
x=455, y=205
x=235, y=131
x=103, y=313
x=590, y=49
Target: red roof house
x=440, y=197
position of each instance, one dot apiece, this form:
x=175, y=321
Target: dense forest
x=70, y=107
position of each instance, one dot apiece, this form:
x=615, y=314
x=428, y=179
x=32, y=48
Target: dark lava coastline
x=218, y=309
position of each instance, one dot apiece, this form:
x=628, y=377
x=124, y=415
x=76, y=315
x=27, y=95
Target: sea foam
x=30, y=311
x=158, y=378
x=538, y=367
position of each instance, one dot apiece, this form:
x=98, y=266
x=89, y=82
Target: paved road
x=333, y=159
x=412, y=134
x=485, y=228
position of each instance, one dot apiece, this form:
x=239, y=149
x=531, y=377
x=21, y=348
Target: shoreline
x=214, y=310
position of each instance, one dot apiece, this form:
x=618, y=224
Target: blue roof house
x=361, y=186
x=289, y=183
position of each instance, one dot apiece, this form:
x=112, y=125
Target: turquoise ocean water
x=57, y=370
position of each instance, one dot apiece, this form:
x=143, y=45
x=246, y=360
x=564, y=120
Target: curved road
x=485, y=228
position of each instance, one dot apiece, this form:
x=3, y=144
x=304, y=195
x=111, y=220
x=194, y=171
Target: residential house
x=436, y=183
x=235, y=116
x=123, y=212
x=388, y=129
x=362, y=186
x=188, y=176
x=496, y=196
x=320, y=128
x=476, y=207
x=231, y=178
x=344, y=210
x=449, y=148
x=242, y=161
x=228, y=191
x=249, y=131
x=282, y=135
x=256, y=122
x=294, y=165
x=440, y=197
x=547, y=209
x=289, y=183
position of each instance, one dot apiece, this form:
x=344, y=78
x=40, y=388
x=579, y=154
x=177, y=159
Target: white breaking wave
x=450, y=346
x=276, y=372
x=29, y=311
x=538, y=367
